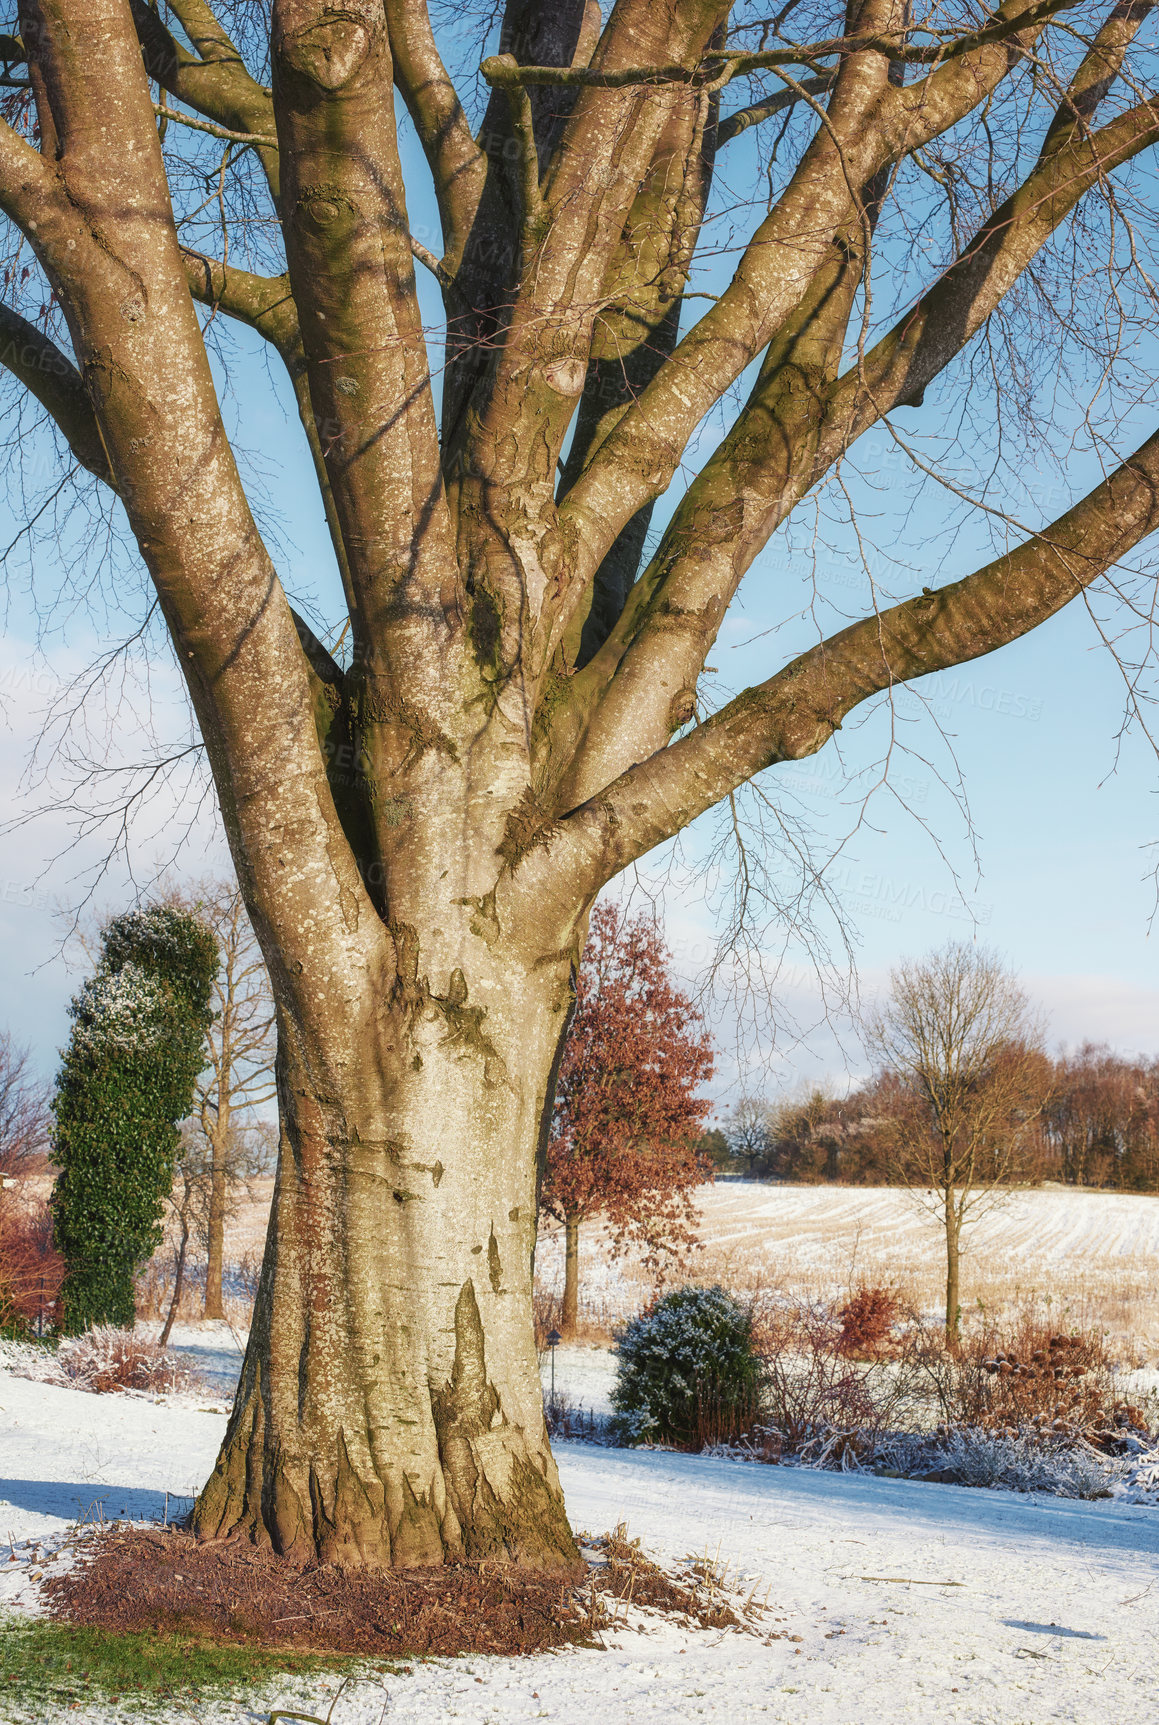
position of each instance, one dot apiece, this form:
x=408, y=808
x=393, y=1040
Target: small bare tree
x=748, y=1132
x=23, y=1110
x=965, y=1049
x=239, y=1077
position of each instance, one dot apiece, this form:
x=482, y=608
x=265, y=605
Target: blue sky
x=1052, y=867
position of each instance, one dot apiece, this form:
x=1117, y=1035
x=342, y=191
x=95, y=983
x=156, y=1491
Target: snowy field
x=1094, y=1256
x=889, y=1600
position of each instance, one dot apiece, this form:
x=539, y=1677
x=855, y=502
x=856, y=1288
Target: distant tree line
x=1098, y=1127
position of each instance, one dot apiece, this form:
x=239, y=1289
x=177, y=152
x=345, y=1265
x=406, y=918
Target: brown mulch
x=165, y=1581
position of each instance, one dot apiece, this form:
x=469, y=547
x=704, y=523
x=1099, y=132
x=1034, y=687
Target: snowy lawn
x=893, y=1600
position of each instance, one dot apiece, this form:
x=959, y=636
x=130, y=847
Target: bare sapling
x=960, y=1039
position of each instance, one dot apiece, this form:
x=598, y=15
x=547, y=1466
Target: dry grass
x=131, y=1580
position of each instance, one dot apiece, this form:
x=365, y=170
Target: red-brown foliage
x=1030, y=1378
x=31, y=1269
x=867, y=1321
x=627, y=1112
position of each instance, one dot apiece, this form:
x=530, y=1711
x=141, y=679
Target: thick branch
x=217, y=85
x=794, y=426
x=525, y=402
x=54, y=380
x=205, y=30
x=266, y=305
x=868, y=125
x=795, y=712
x=485, y=247
x=348, y=250
x=892, y=45
x=122, y=281
x=458, y=166
x=635, y=333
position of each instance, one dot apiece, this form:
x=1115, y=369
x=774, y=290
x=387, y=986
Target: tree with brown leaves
x=1102, y=1122
x=517, y=706
x=628, y=1112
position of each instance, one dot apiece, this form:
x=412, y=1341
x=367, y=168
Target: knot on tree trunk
x=328, y=45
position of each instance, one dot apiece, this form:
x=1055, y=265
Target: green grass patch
x=59, y=1663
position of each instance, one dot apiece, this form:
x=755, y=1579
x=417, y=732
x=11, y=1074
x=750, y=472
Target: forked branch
x=794, y=713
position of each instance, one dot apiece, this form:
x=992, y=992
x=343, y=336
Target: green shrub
x=125, y=1081
x=688, y=1374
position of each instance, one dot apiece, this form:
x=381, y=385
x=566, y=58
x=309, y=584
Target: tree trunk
x=953, y=1253
x=216, y=1223
x=390, y=1410
x=570, y=1314
x=179, y=1277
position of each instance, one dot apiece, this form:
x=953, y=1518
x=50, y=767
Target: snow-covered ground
x=583, y=1377
x=891, y=1600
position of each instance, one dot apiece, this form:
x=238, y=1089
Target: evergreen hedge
x=688, y=1373
x=126, y=1080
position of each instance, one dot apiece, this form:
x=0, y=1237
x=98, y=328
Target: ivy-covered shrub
x=688, y=1373
x=126, y=1080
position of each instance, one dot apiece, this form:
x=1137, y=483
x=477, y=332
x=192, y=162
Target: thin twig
x=261, y=139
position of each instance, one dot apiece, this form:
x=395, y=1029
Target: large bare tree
x=421, y=818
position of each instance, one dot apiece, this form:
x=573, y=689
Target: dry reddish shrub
x=1030, y=1378
x=628, y=1577
x=31, y=1269
x=814, y=1394
x=867, y=1323
x=165, y=1581
x=827, y=1404
x=105, y=1359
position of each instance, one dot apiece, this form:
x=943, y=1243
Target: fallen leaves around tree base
x=131, y=1579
